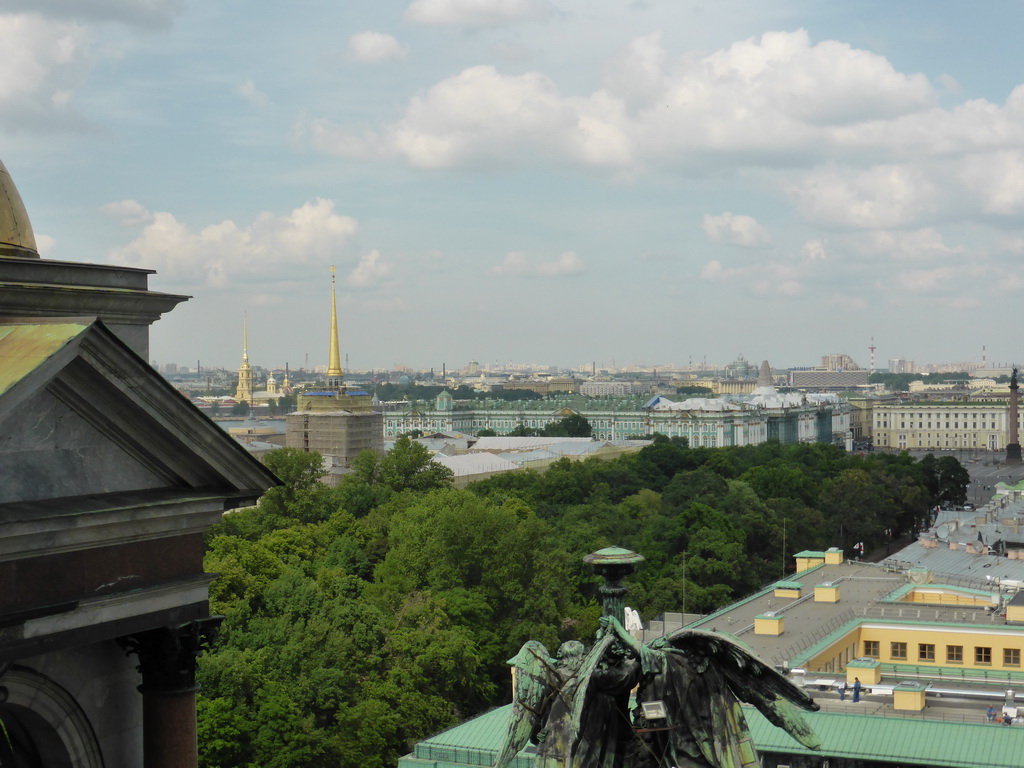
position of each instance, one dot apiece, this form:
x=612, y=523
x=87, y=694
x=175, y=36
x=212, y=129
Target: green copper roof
x=25, y=347
x=475, y=742
x=908, y=741
x=613, y=556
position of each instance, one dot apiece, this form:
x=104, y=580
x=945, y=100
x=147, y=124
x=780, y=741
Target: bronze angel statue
x=575, y=707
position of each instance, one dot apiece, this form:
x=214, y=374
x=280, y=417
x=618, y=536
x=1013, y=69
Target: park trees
x=362, y=618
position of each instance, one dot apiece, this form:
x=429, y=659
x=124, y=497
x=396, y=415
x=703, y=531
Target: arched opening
x=45, y=724
x=31, y=741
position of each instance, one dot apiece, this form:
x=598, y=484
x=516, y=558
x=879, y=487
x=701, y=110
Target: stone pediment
x=81, y=414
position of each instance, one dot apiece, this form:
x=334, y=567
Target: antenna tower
x=872, y=348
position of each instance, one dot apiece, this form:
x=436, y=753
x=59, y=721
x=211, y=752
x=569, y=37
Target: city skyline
x=529, y=180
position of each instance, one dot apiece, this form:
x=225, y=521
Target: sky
x=556, y=182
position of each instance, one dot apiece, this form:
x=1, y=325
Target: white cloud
x=252, y=94
x=813, y=250
x=713, y=270
x=928, y=280
x=998, y=180
x=638, y=75
x=883, y=196
x=1011, y=244
x=735, y=229
x=769, y=99
x=767, y=279
x=128, y=212
x=374, y=47
x=826, y=84
x=221, y=254
x=518, y=264
x=43, y=63
x=948, y=83
x=370, y=271
x=481, y=116
x=976, y=125
x=917, y=245
x=474, y=13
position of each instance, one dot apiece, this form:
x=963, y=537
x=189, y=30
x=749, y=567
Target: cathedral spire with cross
x=335, y=376
x=338, y=422
x=246, y=385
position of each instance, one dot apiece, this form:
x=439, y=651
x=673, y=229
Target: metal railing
x=809, y=639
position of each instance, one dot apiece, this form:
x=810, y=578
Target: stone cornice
x=115, y=305
x=32, y=529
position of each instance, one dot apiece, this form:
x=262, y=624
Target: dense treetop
x=362, y=618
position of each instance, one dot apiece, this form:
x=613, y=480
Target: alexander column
x=1013, y=446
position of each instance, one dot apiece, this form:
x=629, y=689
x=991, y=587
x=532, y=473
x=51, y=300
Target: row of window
x=956, y=425
x=954, y=653
x=943, y=415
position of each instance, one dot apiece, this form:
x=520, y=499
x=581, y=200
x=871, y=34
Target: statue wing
x=590, y=664
x=535, y=673
x=701, y=677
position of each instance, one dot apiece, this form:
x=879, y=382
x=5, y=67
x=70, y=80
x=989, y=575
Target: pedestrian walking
x=842, y=691
x=856, y=690
x=991, y=712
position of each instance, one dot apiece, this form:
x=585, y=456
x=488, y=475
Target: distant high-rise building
x=839, y=362
x=740, y=368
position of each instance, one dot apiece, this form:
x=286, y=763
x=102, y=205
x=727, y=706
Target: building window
x=982, y=655
x=1011, y=657
x=925, y=652
x=871, y=648
x=898, y=651
x=954, y=654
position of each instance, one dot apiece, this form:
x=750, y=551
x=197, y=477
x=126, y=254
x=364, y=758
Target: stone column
x=167, y=661
x=1013, y=454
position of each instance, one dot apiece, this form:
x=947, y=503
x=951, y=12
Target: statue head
x=571, y=653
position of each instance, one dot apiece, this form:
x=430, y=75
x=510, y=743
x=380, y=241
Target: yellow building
x=862, y=411
x=982, y=426
x=726, y=386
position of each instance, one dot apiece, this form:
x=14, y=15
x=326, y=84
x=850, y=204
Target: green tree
x=296, y=469
x=574, y=425
x=240, y=409
x=407, y=466
x=521, y=430
x=285, y=404
x=951, y=481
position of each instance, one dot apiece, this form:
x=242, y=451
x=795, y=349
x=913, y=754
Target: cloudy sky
x=547, y=181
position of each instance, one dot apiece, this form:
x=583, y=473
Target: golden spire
x=334, y=365
x=245, y=338
x=245, y=383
